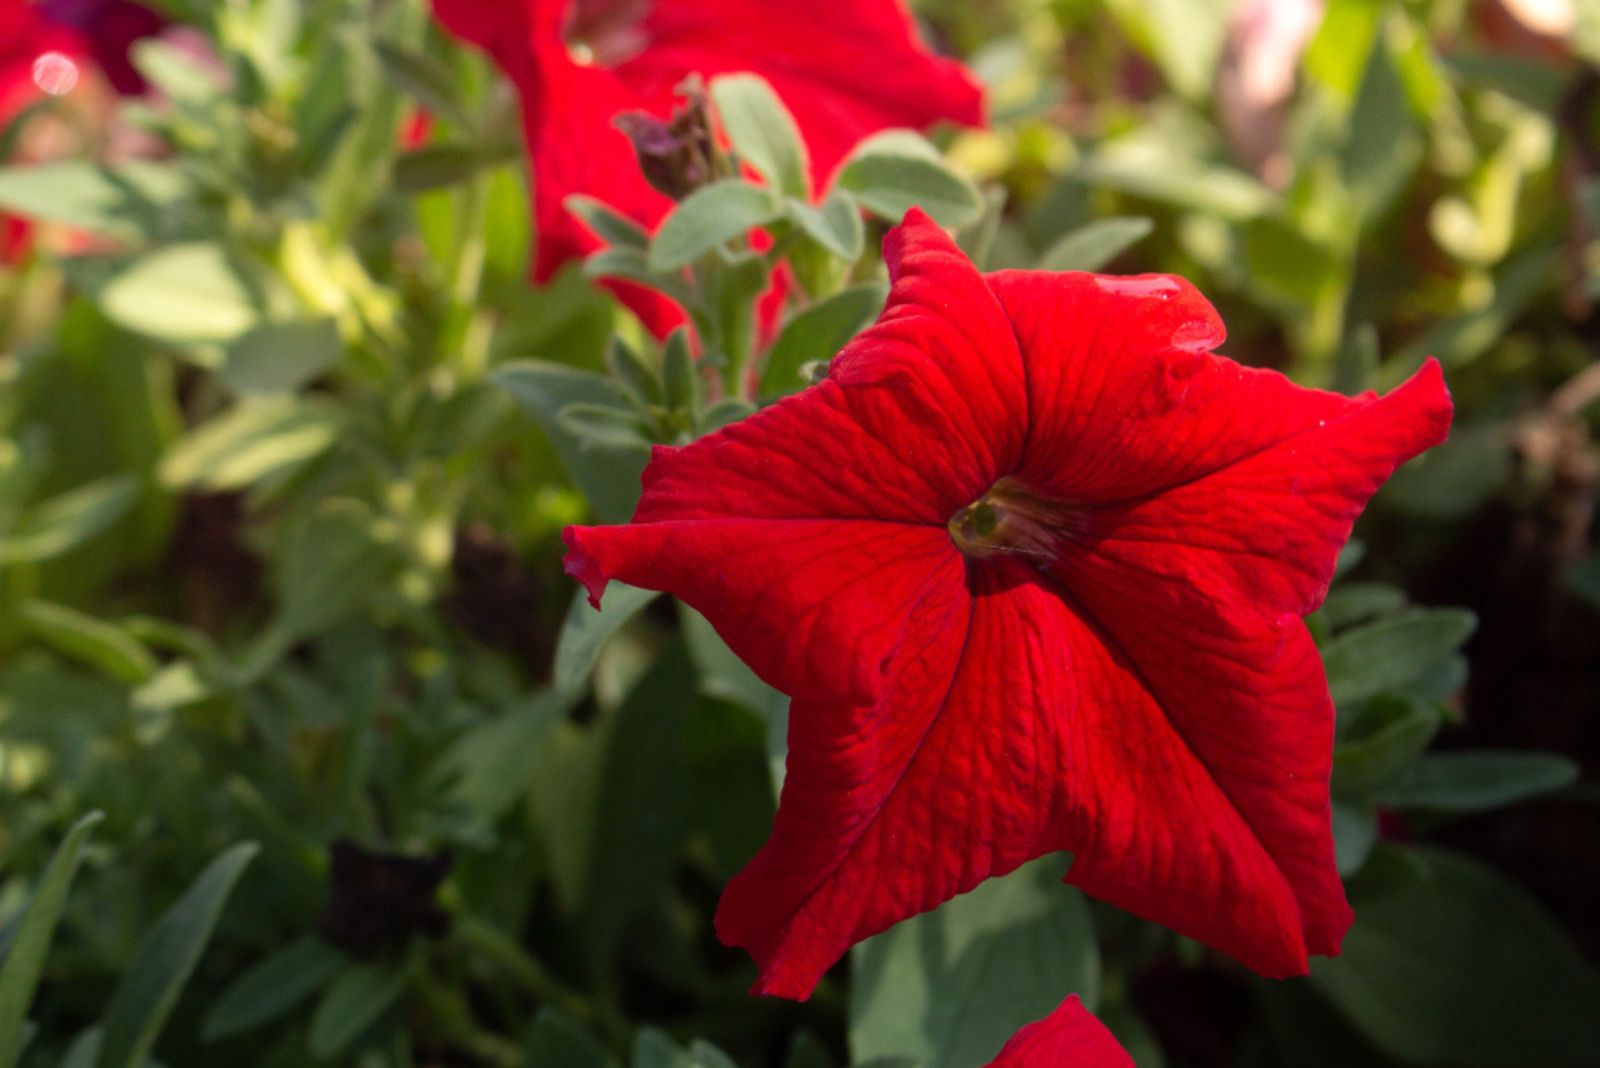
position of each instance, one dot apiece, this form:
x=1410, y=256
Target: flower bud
x=678, y=155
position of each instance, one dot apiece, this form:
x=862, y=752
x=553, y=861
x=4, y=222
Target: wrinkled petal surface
x=1142, y=691
x=1070, y=1037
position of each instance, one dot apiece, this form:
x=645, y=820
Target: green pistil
x=1010, y=519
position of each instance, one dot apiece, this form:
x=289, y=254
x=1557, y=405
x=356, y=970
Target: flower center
x=1012, y=519
x=605, y=33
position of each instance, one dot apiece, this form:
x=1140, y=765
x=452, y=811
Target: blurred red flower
x=1032, y=563
x=1070, y=1037
x=109, y=29
x=54, y=49
x=37, y=58
x=845, y=70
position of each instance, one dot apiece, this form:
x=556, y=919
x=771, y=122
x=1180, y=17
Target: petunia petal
x=1131, y=681
x=916, y=420
x=844, y=70
x=1204, y=585
x=1044, y=738
x=1126, y=397
x=816, y=607
x=567, y=113
x=1257, y=538
x=1070, y=1037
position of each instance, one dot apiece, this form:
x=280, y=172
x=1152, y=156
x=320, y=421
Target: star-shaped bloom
x=845, y=70
x=1032, y=564
x=1070, y=1037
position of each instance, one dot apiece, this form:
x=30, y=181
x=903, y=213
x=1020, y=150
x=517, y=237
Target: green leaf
x=892, y=173
x=587, y=630
x=614, y=805
x=329, y=564
x=489, y=767
x=951, y=986
x=437, y=167
x=255, y=439
x=678, y=375
x=1357, y=602
x=1286, y=267
x=603, y=426
x=1466, y=336
x=85, y=1050
x=1355, y=832
x=633, y=265
x=653, y=1049
x=175, y=70
x=1159, y=173
x=126, y=202
x=726, y=751
x=1382, y=147
x=1460, y=967
x=24, y=959
x=724, y=675
x=725, y=412
x=708, y=217
x=1386, y=655
x=608, y=476
x=610, y=226
x=281, y=357
x=149, y=989
x=1091, y=247
x=762, y=132
x=423, y=77
x=104, y=645
x=556, y=1039
x=1454, y=479
x=1338, y=54
x=1183, y=37
x=806, y=1050
x=835, y=224
x=64, y=522
x=633, y=371
x=273, y=987
x=818, y=333
x=1401, y=730
x=361, y=994
x=1477, y=781
x=199, y=292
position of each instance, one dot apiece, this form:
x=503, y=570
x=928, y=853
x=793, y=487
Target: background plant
x=286, y=455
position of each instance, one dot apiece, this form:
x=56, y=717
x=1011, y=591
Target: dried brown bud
x=679, y=155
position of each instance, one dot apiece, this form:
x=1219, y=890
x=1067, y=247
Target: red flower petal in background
x=49, y=49
x=109, y=28
x=36, y=56
x=1031, y=563
x=1070, y=1037
x=845, y=70
x=25, y=36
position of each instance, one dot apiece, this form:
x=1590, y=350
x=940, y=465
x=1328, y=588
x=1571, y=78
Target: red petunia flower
x=845, y=70
x=1031, y=562
x=1070, y=1037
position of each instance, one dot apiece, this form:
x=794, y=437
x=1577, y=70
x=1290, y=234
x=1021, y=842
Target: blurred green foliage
x=285, y=455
